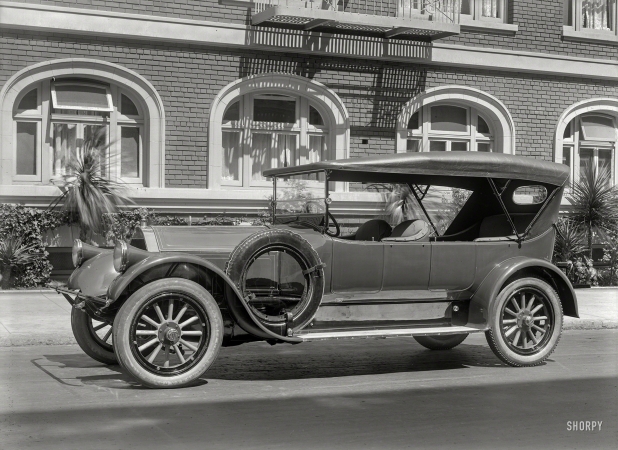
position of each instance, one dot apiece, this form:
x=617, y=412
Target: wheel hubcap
x=526, y=321
x=169, y=334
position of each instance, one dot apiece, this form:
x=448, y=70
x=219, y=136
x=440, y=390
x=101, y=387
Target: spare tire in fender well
x=290, y=245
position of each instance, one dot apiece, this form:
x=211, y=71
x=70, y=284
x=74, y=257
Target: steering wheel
x=336, y=225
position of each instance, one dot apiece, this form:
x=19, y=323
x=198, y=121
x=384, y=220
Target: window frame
x=247, y=128
x=576, y=144
x=573, y=19
x=28, y=115
x=110, y=104
x=424, y=134
x=477, y=13
x=47, y=116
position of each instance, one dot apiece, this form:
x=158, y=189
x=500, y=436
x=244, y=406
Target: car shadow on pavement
x=332, y=360
x=260, y=361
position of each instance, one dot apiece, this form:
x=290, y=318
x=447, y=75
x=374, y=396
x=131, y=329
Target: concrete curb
x=26, y=340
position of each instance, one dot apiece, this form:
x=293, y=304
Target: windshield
x=299, y=195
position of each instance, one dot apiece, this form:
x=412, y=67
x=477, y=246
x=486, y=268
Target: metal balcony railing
x=446, y=11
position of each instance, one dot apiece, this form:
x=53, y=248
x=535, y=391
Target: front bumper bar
x=94, y=306
x=68, y=293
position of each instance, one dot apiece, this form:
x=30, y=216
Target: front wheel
x=168, y=333
x=441, y=342
x=527, y=323
x=93, y=337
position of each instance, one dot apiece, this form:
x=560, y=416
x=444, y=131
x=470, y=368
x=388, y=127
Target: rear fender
x=201, y=271
x=482, y=302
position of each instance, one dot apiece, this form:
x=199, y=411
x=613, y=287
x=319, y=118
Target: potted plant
x=14, y=255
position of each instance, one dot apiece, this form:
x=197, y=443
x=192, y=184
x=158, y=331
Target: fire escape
x=401, y=19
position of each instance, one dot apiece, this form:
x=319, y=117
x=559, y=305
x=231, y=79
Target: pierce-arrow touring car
x=164, y=304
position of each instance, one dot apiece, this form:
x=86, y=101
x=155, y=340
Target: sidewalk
x=44, y=317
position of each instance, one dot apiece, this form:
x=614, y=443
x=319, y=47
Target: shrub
x=29, y=224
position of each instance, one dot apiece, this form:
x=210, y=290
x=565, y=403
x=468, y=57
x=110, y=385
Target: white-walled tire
x=527, y=323
x=168, y=333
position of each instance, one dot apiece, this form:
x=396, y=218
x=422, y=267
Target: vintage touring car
x=435, y=272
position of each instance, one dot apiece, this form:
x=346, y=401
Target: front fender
x=237, y=305
x=483, y=300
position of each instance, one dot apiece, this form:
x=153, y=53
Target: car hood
x=204, y=239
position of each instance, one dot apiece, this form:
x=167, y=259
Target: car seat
x=373, y=230
x=410, y=230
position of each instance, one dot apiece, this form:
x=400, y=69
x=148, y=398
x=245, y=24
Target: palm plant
x=87, y=195
x=595, y=202
x=570, y=241
x=13, y=255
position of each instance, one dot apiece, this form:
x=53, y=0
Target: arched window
x=56, y=106
x=262, y=131
x=455, y=118
x=448, y=127
x=81, y=110
x=590, y=140
x=273, y=120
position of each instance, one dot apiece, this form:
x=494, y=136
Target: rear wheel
x=441, y=342
x=94, y=337
x=527, y=323
x=168, y=333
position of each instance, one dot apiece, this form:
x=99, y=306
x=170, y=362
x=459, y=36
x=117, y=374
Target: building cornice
x=92, y=22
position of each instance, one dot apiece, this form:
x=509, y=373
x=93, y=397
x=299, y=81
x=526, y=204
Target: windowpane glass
x=605, y=159
x=414, y=124
x=315, y=118
x=271, y=110
x=95, y=136
x=26, y=148
x=413, y=146
x=29, y=101
x=459, y=146
x=586, y=159
x=232, y=155
x=449, y=118
x=483, y=147
x=65, y=144
x=490, y=8
x=437, y=146
x=566, y=156
x=482, y=126
x=598, y=128
x=465, y=7
x=596, y=14
x=127, y=107
x=316, y=149
x=286, y=148
x=232, y=112
x=129, y=147
x=260, y=154
x=70, y=96
x=316, y=154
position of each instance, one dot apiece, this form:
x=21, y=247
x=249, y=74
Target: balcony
x=404, y=19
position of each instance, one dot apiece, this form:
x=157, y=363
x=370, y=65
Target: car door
x=357, y=266
x=406, y=266
x=453, y=265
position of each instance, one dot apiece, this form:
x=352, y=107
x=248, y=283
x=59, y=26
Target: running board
x=384, y=333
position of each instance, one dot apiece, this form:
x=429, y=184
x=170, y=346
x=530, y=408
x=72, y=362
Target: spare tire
x=280, y=307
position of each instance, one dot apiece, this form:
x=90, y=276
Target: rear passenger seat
x=498, y=226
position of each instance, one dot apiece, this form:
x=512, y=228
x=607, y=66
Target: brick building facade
x=185, y=88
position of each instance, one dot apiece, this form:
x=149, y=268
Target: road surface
x=361, y=394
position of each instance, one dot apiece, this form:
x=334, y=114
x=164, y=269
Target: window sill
x=489, y=27
x=594, y=36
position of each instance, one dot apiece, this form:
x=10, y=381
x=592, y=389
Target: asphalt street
x=360, y=394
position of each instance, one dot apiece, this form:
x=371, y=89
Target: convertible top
x=470, y=165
